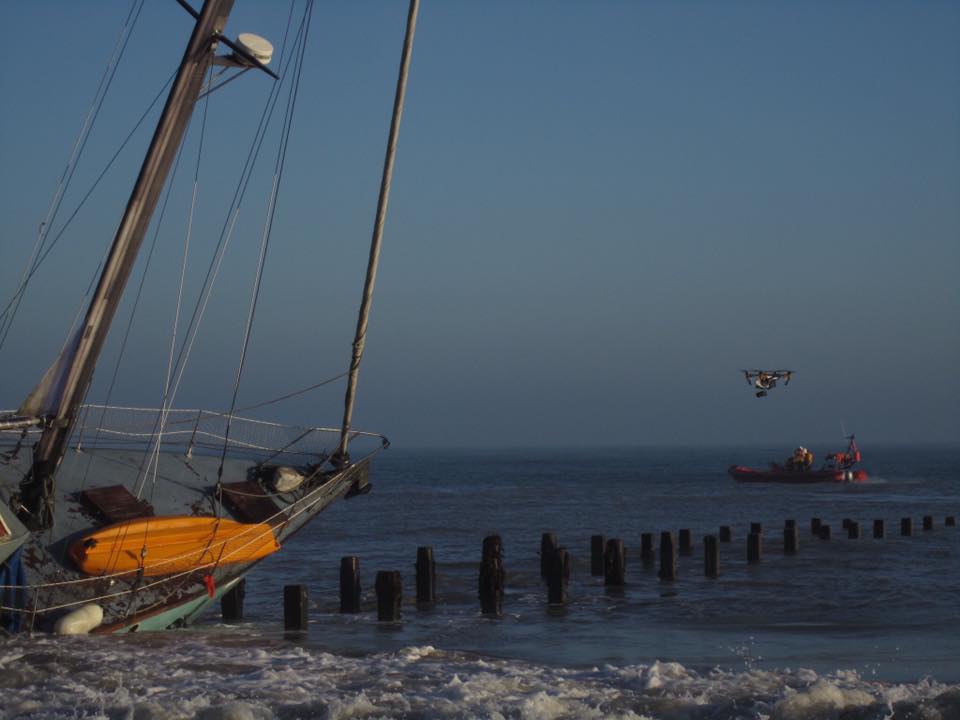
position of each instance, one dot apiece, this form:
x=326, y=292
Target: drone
x=765, y=380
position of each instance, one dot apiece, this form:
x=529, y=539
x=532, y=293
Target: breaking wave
x=223, y=677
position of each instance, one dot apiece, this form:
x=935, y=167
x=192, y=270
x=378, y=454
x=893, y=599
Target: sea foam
x=217, y=677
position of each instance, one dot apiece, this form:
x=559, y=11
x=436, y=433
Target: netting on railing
x=200, y=431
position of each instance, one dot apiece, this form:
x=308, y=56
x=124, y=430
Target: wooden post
x=558, y=576
x=389, y=587
x=791, y=523
x=426, y=576
x=757, y=528
x=853, y=530
x=295, y=607
x=815, y=526
x=753, y=547
x=350, y=584
x=548, y=546
x=231, y=604
x=928, y=522
x=791, y=540
x=614, y=564
x=846, y=523
x=492, y=576
x=824, y=532
x=879, y=529
x=950, y=521
x=906, y=526
x=668, y=556
x=686, y=542
x=646, y=548
x=726, y=534
x=711, y=556
x=597, y=546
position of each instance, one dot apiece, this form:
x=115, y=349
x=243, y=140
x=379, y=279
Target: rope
x=100, y=95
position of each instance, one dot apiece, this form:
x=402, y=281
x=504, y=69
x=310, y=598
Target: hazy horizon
x=601, y=213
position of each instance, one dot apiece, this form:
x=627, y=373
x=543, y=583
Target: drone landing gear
x=762, y=393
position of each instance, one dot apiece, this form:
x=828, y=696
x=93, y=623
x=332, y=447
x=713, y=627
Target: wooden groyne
x=608, y=559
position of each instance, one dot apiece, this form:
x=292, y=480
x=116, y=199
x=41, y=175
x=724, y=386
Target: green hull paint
x=184, y=613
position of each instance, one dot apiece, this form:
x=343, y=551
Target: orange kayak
x=165, y=545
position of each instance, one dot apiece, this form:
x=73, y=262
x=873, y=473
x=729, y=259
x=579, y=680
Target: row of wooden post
x=607, y=559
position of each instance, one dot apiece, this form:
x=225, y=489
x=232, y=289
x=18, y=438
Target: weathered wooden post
x=426, y=576
x=726, y=534
x=548, y=546
x=711, y=556
x=791, y=523
x=295, y=607
x=791, y=539
x=815, y=524
x=558, y=576
x=350, y=584
x=614, y=564
x=492, y=576
x=231, y=604
x=646, y=548
x=389, y=587
x=597, y=546
x=824, y=532
x=906, y=526
x=853, y=530
x=668, y=556
x=757, y=528
x=879, y=528
x=686, y=542
x=753, y=547
x=950, y=521
x=928, y=522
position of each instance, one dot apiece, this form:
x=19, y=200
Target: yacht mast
x=340, y=457
x=37, y=489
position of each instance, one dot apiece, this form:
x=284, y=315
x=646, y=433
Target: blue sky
x=601, y=212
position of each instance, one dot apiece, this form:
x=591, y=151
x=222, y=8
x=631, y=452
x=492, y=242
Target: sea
x=846, y=629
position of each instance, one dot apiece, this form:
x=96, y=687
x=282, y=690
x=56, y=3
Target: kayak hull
x=163, y=545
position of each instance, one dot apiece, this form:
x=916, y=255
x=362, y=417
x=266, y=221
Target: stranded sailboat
x=123, y=519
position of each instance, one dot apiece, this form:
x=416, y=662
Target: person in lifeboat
x=800, y=461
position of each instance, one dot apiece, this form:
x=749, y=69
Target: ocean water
x=851, y=629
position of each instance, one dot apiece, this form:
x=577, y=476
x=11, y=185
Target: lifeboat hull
x=165, y=545
x=799, y=477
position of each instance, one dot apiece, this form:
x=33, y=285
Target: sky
x=601, y=213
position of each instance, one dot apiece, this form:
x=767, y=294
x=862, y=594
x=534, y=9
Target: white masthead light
x=259, y=47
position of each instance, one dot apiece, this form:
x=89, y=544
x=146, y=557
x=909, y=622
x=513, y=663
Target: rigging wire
x=165, y=411
x=22, y=289
x=130, y=320
x=294, y=393
x=126, y=31
x=268, y=225
x=223, y=242
x=106, y=168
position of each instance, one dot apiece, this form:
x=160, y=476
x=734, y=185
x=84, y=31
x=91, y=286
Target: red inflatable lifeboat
x=839, y=467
